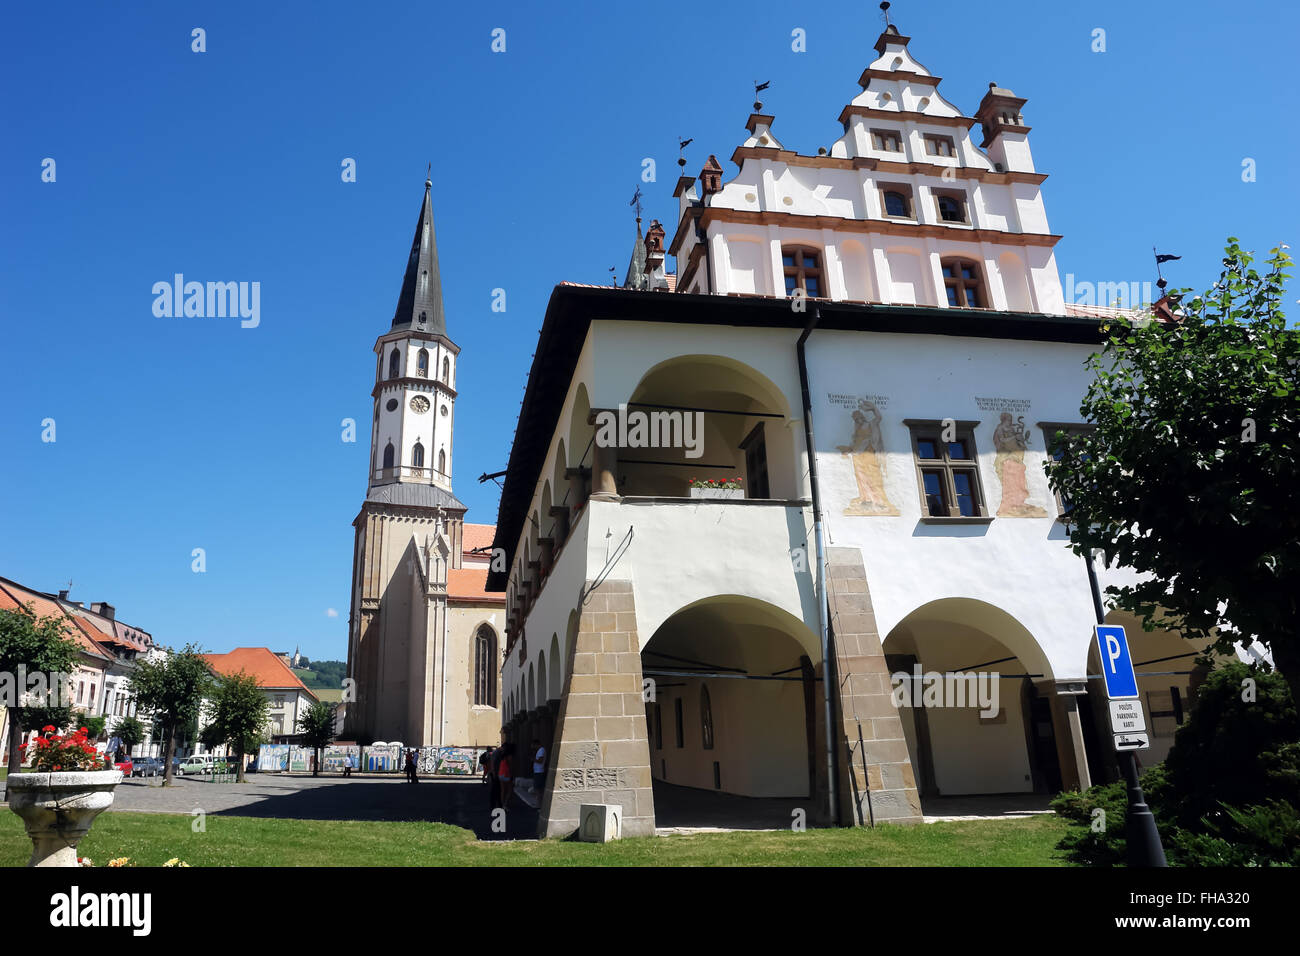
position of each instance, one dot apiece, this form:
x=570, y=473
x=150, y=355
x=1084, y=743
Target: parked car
x=147, y=767
x=197, y=763
x=126, y=766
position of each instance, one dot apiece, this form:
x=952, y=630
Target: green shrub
x=1225, y=796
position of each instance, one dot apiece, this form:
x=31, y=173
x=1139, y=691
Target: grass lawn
x=150, y=839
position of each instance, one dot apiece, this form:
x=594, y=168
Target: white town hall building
x=897, y=299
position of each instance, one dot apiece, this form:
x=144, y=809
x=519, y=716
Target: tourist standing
x=539, y=768
x=504, y=777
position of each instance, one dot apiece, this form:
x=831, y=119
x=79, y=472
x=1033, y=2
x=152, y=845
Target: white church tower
x=409, y=532
x=415, y=369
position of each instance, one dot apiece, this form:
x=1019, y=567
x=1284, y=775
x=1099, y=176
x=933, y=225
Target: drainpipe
x=823, y=608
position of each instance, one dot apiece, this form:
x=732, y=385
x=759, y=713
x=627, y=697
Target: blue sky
x=176, y=434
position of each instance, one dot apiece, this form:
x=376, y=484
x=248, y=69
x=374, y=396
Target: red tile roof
x=477, y=536
x=260, y=663
x=470, y=584
x=14, y=596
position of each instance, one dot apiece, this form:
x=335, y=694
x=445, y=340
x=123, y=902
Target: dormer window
x=802, y=270
x=951, y=208
x=940, y=145
x=961, y=280
x=887, y=140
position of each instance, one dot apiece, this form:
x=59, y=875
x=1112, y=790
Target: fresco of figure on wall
x=1010, y=440
x=867, y=450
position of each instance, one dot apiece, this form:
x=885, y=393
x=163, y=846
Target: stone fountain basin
x=58, y=808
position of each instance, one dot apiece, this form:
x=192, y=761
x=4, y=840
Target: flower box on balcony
x=699, y=492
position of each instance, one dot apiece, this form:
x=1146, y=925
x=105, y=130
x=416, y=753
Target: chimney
x=103, y=608
x=63, y=595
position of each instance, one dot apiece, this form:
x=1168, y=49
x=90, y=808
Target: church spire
x=419, y=307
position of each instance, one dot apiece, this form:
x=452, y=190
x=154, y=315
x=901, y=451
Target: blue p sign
x=1116, y=664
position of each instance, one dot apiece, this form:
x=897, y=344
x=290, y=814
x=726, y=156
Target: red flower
x=82, y=730
x=49, y=729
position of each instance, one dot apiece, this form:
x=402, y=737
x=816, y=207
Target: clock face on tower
x=419, y=404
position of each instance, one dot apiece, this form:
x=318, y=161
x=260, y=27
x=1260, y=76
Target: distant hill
x=324, y=675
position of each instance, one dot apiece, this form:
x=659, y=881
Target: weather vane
x=884, y=12
x=636, y=201
x=1161, y=281
x=681, y=149
x=759, y=88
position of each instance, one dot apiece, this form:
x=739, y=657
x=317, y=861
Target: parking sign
x=1116, y=664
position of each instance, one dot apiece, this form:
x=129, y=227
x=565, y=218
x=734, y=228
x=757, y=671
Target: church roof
x=470, y=585
x=419, y=306
x=635, y=278
x=414, y=495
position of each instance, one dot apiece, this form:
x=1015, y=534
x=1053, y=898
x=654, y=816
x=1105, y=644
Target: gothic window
x=485, y=685
x=388, y=456
x=422, y=363
x=802, y=270
x=446, y=371
x=706, y=718
x=394, y=363
x=417, y=455
x=442, y=461
x=961, y=280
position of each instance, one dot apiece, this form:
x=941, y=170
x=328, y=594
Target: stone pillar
x=603, y=485
x=876, y=782
x=602, y=750
x=1067, y=728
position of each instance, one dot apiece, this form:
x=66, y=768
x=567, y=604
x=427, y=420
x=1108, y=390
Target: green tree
x=94, y=726
x=316, y=724
x=31, y=648
x=130, y=731
x=1189, y=474
x=239, y=714
x=172, y=689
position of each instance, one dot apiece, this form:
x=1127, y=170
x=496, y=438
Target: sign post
x=1128, y=725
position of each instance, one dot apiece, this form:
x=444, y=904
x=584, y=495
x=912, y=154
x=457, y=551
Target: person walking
x=539, y=768
x=490, y=776
x=504, y=776
x=347, y=765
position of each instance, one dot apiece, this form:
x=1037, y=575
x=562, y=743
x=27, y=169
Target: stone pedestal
x=58, y=809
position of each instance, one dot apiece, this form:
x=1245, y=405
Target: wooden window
x=417, y=455
x=896, y=201
x=681, y=730
x=947, y=472
x=394, y=363
x=887, y=140
x=802, y=270
x=755, y=448
x=939, y=145
x=961, y=280
x=1053, y=446
x=951, y=207
x=706, y=718
x=485, y=652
